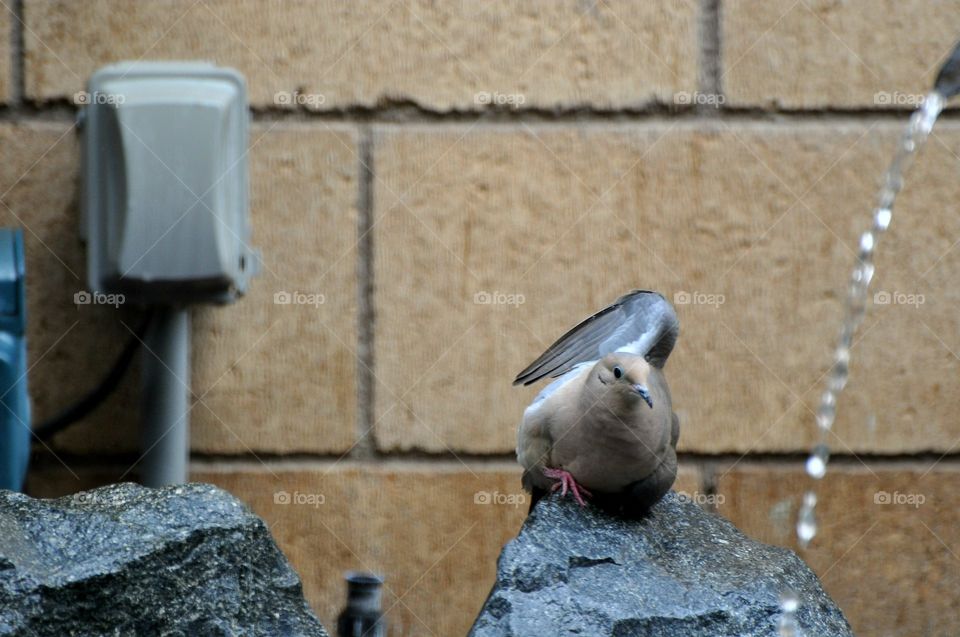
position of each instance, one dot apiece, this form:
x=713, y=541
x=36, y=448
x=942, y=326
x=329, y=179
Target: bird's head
x=626, y=374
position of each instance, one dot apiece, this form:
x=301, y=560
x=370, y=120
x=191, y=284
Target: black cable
x=101, y=392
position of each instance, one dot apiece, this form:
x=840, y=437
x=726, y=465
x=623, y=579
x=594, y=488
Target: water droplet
x=828, y=398
x=842, y=354
x=789, y=604
x=806, y=521
x=930, y=110
x=840, y=371
x=867, y=243
x=838, y=379
x=816, y=468
x=881, y=219
x=887, y=197
x=904, y=157
x=894, y=180
x=806, y=532
x=826, y=417
x=846, y=335
x=817, y=462
x=789, y=601
x=856, y=304
x=788, y=628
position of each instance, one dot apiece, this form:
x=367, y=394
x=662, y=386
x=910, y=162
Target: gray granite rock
x=127, y=560
x=678, y=571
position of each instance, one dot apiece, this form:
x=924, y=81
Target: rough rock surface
x=678, y=571
x=127, y=560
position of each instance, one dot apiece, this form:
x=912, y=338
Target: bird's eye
x=617, y=372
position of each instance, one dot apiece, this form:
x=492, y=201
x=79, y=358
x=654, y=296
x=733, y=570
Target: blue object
x=14, y=401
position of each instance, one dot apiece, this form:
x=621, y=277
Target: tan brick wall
x=39, y=179
x=395, y=192
x=303, y=203
x=824, y=54
x=6, y=55
x=439, y=55
x=268, y=360
x=765, y=216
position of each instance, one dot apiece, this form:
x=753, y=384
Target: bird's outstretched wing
x=640, y=322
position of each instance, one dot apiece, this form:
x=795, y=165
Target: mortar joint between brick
x=708, y=484
x=62, y=111
x=709, y=53
x=17, y=62
x=366, y=446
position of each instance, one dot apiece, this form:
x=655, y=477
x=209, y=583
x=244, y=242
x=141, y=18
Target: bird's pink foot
x=565, y=482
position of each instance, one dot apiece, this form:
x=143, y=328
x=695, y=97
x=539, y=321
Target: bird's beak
x=644, y=393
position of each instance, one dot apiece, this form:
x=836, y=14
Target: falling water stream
x=912, y=140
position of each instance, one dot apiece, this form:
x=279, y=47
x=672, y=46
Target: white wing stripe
x=575, y=371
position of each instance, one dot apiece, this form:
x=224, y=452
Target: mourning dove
x=605, y=428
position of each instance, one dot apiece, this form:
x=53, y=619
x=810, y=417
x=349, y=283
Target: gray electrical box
x=165, y=205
